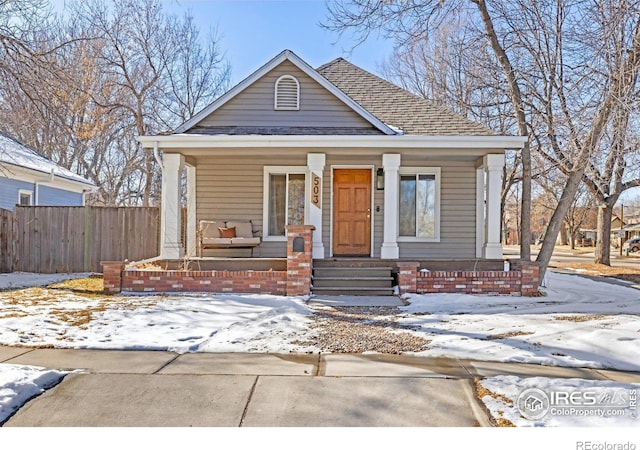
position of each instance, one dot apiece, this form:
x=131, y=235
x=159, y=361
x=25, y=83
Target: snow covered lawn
x=501, y=394
x=579, y=323
x=180, y=323
x=20, y=383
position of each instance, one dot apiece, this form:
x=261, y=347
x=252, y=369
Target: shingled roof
x=395, y=106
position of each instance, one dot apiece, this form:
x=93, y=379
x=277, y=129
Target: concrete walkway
x=146, y=388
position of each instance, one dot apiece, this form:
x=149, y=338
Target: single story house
x=29, y=179
x=377, y=171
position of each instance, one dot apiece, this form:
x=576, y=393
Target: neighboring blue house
x=27, y=178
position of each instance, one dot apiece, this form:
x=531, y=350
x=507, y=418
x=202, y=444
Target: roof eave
x=177, y=141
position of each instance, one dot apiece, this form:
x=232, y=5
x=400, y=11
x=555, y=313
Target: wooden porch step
x=351, y=272
x=352, y=291
x=345, y=278
x=372, y=282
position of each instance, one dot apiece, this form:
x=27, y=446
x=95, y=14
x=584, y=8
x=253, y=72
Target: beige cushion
x=245, y=241
x=216, y=241
x=243, y=229
x=209, y=229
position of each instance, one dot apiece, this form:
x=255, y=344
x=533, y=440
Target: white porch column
x=315, y=165
x=170, y=247
x=391, y=164
x=192, y=226
x=493, y=165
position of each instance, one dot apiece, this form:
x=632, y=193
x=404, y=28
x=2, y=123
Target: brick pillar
x=530, y=278
x=299, y=263
x=408, y=277
x=112, y=275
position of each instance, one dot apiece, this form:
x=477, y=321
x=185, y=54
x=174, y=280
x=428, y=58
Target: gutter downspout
x=156, y=155
x=37, y=188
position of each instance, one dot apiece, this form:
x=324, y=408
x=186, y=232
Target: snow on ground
x=579, y=322
x=20, y=383
x=180, y=323
x=576, y=402
x=17, y=280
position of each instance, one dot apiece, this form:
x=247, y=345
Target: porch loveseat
x=227, y=234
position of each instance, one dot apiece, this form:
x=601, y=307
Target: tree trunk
x=572, y=240
x=603, y=243
x=563, y=234
x=523, y=130
x=568, y=194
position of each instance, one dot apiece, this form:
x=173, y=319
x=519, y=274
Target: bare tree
x=127, y=69
x=550, y=54
x=406, y=21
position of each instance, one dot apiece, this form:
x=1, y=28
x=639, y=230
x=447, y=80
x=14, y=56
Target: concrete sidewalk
x=146, y=388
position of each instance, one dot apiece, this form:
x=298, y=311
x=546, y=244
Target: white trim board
x=280, y=170
x=182, y=141
x=409, y=170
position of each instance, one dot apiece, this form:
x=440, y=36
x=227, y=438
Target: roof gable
x=398, y=107
x=325, y=108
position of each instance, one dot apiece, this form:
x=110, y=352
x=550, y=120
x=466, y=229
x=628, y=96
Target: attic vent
x=287, y=95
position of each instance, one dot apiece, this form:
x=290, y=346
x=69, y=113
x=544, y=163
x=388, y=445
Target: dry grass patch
x=623, y=273
x=582, y=317
x=482, y=392
x=508, y=335
x=90, y=285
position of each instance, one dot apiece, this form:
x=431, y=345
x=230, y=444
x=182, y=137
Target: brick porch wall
x=296, y=280
x=523, y=280
x=249, y=282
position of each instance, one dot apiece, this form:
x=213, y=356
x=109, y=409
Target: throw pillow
x=227, y=232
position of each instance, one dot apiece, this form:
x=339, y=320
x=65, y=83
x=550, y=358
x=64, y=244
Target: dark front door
x=352, y=212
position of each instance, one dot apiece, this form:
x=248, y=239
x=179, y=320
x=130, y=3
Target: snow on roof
x=13, y=152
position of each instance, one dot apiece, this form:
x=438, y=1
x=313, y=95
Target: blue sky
x=254, y=31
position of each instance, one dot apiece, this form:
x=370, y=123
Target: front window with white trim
x=284, y=202
x=419, y=205
x=25, y=198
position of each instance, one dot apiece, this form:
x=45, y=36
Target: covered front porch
x=461, y=219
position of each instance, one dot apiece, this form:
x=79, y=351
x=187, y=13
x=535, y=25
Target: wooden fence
x=6, y=236
x=50, y=239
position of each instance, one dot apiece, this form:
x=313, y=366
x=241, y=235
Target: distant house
x=29, y=179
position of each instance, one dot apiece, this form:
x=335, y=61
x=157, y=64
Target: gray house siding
x=231, y=187
x=254, y=107
x=50, y=196
x=457, y=213
x=9, y=189
x=457, y=207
